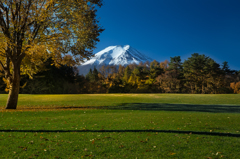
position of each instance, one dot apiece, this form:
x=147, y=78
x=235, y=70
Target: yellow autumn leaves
x=40, y=29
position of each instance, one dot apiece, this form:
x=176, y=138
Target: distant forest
x=197, y=74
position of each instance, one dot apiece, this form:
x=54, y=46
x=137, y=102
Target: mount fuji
x=113, y=55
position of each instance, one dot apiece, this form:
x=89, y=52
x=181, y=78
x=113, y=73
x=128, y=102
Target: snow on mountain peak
x=114, y=55
x=126, y=47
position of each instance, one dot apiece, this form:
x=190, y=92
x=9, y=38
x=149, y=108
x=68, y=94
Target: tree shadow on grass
x=144, y=107
x=157, y=107
x=177, y=107
x=125, y=131
x=147, y=107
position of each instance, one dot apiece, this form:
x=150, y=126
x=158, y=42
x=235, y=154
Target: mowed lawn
x=119, y=99
x=121, y=126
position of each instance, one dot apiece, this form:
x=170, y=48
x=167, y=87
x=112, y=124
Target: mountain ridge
x=114, y=55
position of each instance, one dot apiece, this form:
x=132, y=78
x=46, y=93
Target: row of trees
x=197, y=74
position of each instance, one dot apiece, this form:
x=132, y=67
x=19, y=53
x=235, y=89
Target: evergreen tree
x=53, y=80
x=174, y=74
x=155, y=70
x=94, y=77
x=198, y=69
x=89, y=75
x=175, y=63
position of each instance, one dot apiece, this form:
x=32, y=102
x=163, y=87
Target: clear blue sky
x=166, y=28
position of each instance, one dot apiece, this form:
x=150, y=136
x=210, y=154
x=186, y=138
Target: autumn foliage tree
x=31, y=31
x=235, y=87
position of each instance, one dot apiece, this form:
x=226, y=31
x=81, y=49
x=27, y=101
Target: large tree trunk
x=14, y=84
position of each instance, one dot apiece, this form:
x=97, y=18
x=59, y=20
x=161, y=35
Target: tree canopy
x=31, y=31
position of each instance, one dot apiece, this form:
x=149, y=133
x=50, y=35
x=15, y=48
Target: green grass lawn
x=136, y=122
x=119, y=99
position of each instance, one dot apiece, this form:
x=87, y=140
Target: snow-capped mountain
x=113, y=55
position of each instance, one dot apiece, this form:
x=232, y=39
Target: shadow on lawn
x=177, y=107
x=124, y=131
x=145, y=107
x=161, y=107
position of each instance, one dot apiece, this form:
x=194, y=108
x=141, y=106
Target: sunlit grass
x=117, y=144
x=116, y=99
x=210, y=114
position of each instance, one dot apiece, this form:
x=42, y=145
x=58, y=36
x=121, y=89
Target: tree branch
x=2, y=66
x=20, y=57
x=26, y=16
x=2, y=20
x=1, y=5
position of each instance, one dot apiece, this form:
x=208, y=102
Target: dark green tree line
x=197, y=74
